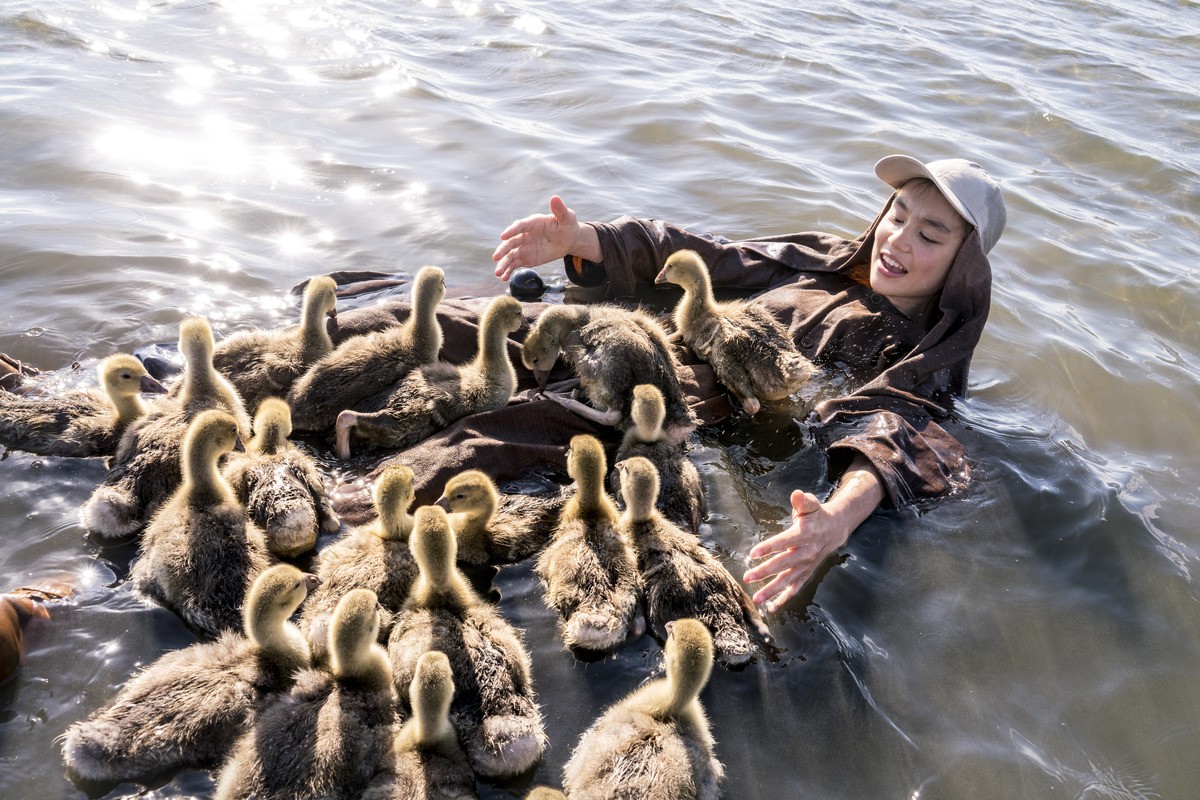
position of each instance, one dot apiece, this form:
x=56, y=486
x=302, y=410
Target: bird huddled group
x=382, y=672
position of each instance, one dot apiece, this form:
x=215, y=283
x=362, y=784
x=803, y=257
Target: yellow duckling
x=544, y=793
x=681, y=492
x=333, y=731
x=588, y=569
x=680, y=578
x=363, y=366
x=612, y=350
x=188, y=708
x=373, y=556
x=749, y=349
x=146, y=469
x=428, y=762
x=431, y=397
x=199, y=552
x=265, y=363
x=494, y=708
x=279, y=484
x=497, y=529
x=655, y=744
x=83, y=423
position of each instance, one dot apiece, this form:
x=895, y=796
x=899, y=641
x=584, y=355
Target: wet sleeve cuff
x=588, y=274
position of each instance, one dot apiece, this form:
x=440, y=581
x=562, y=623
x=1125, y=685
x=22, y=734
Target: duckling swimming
x=494, y=708
x=147, y=468
x=612, y=350
x=330, y=734
x=682, y=579
x=81, y=423
x=263, y=363
x=681, y=492
x=588, y=568
x=373, y=556
x=188, y=708
x=200, y=553
x=428, y=762
x=279, y=484
x=433, y=396
x=655, y=744
x=495, y=529
x=749, y=350
x=363, y=366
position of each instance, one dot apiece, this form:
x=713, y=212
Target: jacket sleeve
x=635, y=249
x=914, y=455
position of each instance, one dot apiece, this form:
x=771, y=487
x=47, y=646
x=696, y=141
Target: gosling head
x=430, y=693
x=684, y=268
x=429, y=288
x=212, y=434
x=433, y=545
x=354, y=632
x=272, y=426
x=503, y=314
x=689, y=659
x=471, y=493
x=543, y=343
x=123, y=376
x=320, y=297
x=393, y=495
x=648, y=410
x=544, y=793
x=639, y=487
x=274, y=596
x=586, y=463
x=196, y=341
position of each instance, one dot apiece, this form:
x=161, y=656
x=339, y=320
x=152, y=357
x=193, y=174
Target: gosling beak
x=661, y=278
x=332, y=314
x=238, y=446
x=150, y=385
x=542, y=376
x=443, y=502
x=311, y=581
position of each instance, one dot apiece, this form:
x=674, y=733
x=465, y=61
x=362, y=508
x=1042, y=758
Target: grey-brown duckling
x=545, y=793
x=655, y=744
x=749, y=350
x=680, y=492
x=146, y=469
x=682, y=579
x=265, y=363
x=200, y=553
x=428, y=763
x=494, y=528
x=363, y=366
x=612, y=350
x=331, y=733
x=80, y=423
x=494, y=709
x=588, y=569
x=432, y=396
x=187, y=708
x=372, y=556
x=279, y=484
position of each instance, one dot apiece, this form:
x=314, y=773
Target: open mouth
x=891, y=267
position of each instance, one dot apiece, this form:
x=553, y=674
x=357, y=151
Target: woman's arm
x=817, y=531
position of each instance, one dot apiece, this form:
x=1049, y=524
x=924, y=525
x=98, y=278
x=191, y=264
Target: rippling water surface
x=1037, y=636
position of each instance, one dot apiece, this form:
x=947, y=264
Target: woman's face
x=915, y=244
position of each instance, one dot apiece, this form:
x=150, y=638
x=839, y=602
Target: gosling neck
x=393, y=526
x=314, y=337
x=129, y=407
x=423, y=327
x=268, y=440
x=697, y=301
x=202, y=480
x=430, y=725
x=278, y=638
x=639, y=505
x=493, y=351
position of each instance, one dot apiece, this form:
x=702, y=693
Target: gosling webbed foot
x=345, y=423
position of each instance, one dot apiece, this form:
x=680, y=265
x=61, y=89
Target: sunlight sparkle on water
x=528, y=23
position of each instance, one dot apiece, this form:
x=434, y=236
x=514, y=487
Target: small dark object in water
x=526, y=284
x=162, y=361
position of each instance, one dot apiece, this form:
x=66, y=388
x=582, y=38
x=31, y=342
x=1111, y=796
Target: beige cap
x=972, y=192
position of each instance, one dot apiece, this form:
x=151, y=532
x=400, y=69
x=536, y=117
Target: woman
x=900, y=308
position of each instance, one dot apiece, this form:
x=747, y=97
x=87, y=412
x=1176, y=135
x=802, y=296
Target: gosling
x=588, y=569
x=656, y=743
x=200, y=553
x=82, y=423
x=749, y=349
x=494, y=709
x=495, y=529
x=190, y=706
x=433, y=396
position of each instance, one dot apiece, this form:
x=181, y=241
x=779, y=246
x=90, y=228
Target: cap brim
x=897, y=170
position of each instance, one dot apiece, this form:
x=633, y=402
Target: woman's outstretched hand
x=542, y=238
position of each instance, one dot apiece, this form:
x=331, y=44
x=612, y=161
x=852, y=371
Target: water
x=1034, y=637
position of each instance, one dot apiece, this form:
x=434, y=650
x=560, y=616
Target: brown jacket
x=902, y=375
